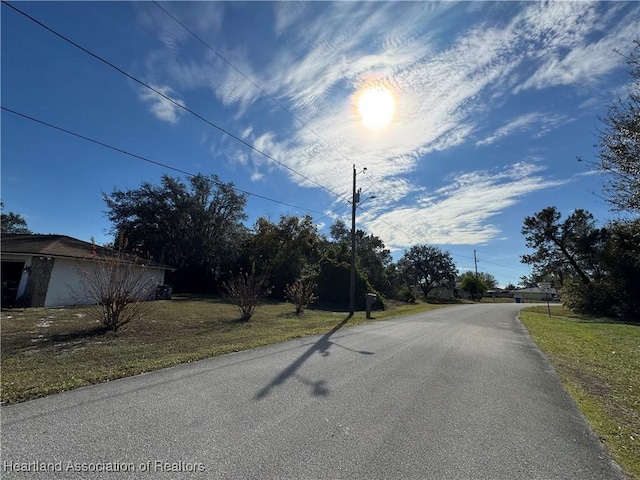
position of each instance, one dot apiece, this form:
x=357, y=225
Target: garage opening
x=11, y=274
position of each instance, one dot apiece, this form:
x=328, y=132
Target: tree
x=602, y=265
x=284, y=250
x=615, y=292
x=246, y=291
x=13, y=222
x=554, y=268
x=529, y=281
x=333, y=284
x=373, y=259
x=489, y=280
x=119, y=286
x=571, y=246
x=621, y=261
x=477, y=286
x=428, y=267
x=196, y=227
x=620, y=145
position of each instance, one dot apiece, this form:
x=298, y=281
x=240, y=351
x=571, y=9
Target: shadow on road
x=322, y=346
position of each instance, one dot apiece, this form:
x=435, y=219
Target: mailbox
x=371, y=298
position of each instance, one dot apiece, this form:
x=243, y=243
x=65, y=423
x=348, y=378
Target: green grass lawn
x=598, y=361
x=47, y=351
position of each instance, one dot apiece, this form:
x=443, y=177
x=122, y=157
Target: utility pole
x=352, y=280
x=475, y=261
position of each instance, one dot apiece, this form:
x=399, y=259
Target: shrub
x=597, y=298
x=333, y=284
x=119, y=286
x=246, y=291
x=301, y=293
x=405, y=294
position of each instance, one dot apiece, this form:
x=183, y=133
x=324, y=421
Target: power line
x=413, y=237
x=154, y=162
x=169, y=99
x=200, y=117
x=169, y=167
x=177, y=104
x=521, y=269
x=331, y=213
x=461, y=256
x=265, y=93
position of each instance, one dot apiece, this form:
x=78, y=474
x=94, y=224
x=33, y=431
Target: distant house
x=45, y=270
x=535, y=294
x=441, y=292
x=499, y=293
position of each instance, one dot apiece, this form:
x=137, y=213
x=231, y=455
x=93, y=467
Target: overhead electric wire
x=263, y=91
x=523, y=268
x=145, y=159
x=169, y=167
x=393, y=226
x=126, y=74
x=200, y=117
x=246, y=77
x=169, y=99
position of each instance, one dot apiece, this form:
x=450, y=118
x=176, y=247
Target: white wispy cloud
x=442, y=92
x=162, y=108
x=589, y=173
x=257, y=176
x=563, y=40
x=434, y=91
x=460, y=213
x=537, y=123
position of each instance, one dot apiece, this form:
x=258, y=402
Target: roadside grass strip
x=598, y=361
x=51, y=350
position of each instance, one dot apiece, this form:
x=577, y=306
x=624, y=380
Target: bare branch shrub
x=246, y=291
x=119, y=286
x=301, y=293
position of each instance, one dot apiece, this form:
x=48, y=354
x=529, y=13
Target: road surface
x=456, y=393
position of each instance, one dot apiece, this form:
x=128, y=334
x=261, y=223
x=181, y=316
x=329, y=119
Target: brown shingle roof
x=60, y=246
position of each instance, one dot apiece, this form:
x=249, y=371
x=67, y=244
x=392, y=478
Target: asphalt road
x=456, y=393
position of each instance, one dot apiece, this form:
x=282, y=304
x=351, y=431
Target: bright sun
x=376, y=107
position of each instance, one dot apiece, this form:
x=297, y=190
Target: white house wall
x=65, y=287
x=65, y=284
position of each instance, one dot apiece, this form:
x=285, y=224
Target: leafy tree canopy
x=372, y=257
x=285, y=250
x=13, y=222
x=489, y=280
x=195, y=226
x=620, y=144
x=428, y=267
x=602, y=266
x=563, y=247
x=475, y=287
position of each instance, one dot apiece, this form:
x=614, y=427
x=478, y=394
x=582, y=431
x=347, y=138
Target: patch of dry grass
x=47, y=351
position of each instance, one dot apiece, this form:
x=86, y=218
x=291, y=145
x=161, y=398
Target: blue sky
x=492, y=103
